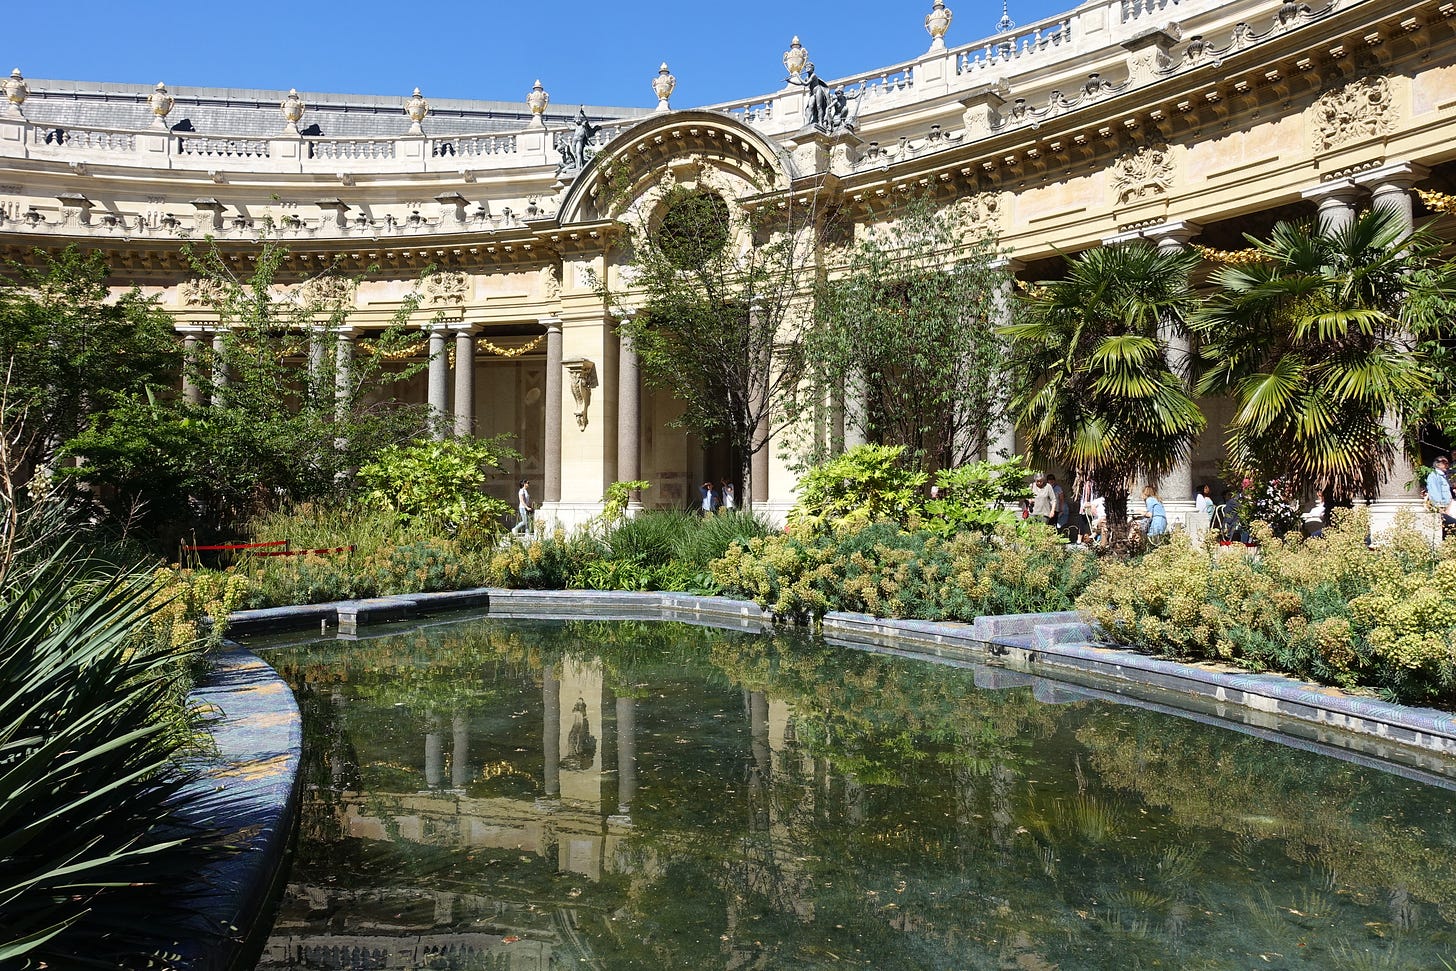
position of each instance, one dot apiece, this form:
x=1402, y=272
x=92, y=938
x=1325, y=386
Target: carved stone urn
x=292, y=108
x=662, y=86
x=160, y=103
x=16, y=90
x=417, y=108
x=537, y=99
x=796, y=58
x=937, y=22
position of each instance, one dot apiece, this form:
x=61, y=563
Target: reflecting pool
x=533, y=795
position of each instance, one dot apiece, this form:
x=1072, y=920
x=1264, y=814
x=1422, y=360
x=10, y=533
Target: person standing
x=1062, y=511
x=1043, y=500
x=730, y=497
x=1313, y=523
x=1157, y=514
x=1202, y=512
x=523, y=507
x=707, y=498
x=1438, y=494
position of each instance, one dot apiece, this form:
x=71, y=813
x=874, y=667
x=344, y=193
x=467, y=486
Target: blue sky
x=597, y=53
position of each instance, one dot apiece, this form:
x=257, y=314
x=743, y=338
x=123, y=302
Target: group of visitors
x=715, y=498
x=1089, y=527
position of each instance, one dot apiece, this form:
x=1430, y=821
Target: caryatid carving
x=1364, y=108
x=446, y=287
x=583, y=379
x=1146, y=171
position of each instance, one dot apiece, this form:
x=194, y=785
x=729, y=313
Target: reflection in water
x=715, y=800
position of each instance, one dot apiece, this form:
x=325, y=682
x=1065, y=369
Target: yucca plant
x=93, y=842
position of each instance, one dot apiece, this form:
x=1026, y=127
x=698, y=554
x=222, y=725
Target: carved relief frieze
x=981, y=211
x=329, y=289
x=551, y=282
x=446, y=287
x=203, y=293
x=1145, y=171
x=1363, y=108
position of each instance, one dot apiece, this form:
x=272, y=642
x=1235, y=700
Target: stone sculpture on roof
x=575, y=145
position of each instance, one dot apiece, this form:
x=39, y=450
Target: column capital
x=1008, y=263
x=1339, y=191
x=1400, y=175
x=550, y=323
x=1179, y=231
x=460, y=326
x=192, y=330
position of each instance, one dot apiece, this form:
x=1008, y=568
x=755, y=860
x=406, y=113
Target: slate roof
x=255, y=112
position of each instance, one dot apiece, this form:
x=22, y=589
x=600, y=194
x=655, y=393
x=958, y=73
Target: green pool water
x=612, y=795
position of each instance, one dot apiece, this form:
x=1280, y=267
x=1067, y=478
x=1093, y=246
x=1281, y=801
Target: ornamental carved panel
x=981, y=212
x=203, y=292
x=1146, y=171
x=1364, y=108
x=446, y=288
x=328, y=289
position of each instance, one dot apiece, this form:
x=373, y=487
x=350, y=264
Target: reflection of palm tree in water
x=581, y=745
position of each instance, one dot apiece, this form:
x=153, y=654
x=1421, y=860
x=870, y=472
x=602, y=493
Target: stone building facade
x=1178, y=121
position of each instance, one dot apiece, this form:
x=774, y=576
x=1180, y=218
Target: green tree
x=716, y=312
x=1092, y=385
x=288, y=420
x=70, y=353
x=903, y=332
x=1314, y=344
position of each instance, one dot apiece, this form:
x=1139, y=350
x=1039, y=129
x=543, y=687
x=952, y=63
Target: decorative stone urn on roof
x=417, y=108
x=160, y=103
x=292, y=108
x=662, y=86
x=537, y=99
x=937, y=22
x=796, y=58
x=16, y=91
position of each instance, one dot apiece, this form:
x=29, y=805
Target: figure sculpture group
x=831, y=112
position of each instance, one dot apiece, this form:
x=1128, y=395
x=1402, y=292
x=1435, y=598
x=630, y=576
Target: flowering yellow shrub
x=1331, y=609
x=182, y=597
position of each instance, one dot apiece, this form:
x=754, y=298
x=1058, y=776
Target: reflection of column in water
x=626, y=754
x=460, y=758
x=1001, y=778
x=551, y=732
x=338, y=748
x=435, y=752
x=758, y=729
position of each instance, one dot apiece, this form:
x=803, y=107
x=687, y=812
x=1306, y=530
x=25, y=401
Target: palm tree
x=1092, y=385
x=1313, y=342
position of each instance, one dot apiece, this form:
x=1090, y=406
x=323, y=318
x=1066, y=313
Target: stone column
x=191, y=348
x=759, y=463
x=1336, y=201
x=854, y=411
x=1390, y=190
x=1176, y=486
x=464, y=381
x=220, y=376
x=1001, y=435
x=318, y=364
x=439, y=394
x=629, y=417
x=343, y=372
x=552, y=485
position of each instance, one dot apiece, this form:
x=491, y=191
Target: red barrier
x=235, y=546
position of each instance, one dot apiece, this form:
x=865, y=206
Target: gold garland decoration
x=422, y=347
x=1231, y=257
x=1437, y=201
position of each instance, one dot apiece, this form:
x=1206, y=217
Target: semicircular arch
x=680, y=147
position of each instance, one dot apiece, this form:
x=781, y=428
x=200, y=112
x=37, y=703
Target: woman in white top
x=523, y=506
x=1202, y=514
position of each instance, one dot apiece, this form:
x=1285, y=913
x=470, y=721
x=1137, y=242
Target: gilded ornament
x=662, y=86
x=417, y=108
x=937, y=22
x=160, y=102
x=1362, y=109
x=796, y=58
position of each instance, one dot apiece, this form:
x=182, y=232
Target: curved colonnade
x=1184, y=123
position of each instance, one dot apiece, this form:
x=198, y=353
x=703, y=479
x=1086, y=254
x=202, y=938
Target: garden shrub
x=440, y=482
x=883, y=571
x=1331, y=610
